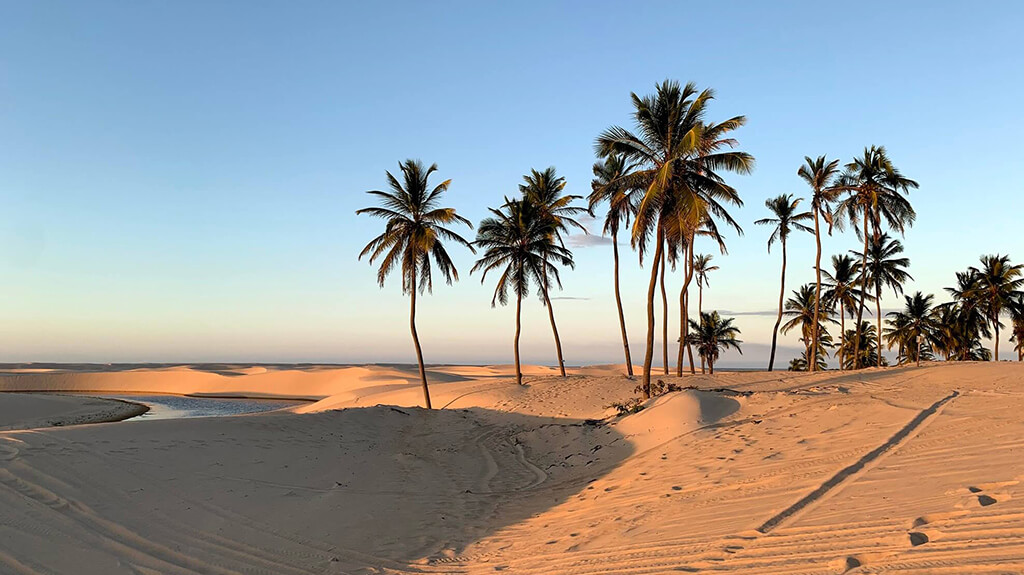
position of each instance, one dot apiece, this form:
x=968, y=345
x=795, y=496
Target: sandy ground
x=30, y=410
x=912, y=470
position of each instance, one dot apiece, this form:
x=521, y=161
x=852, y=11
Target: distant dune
x=913, y=470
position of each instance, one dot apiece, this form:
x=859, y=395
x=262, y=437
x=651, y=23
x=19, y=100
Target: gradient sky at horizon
x=179, y=180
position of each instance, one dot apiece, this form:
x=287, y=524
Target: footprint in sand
x=918, y=538
x=986, y=499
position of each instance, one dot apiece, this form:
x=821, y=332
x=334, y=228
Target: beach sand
x=913, y=470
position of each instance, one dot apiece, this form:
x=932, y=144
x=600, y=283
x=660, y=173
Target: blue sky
x=179, y=180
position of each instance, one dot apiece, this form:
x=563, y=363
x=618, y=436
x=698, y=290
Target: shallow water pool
x=181, y=406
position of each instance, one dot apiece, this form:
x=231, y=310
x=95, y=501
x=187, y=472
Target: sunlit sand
x=899, y=469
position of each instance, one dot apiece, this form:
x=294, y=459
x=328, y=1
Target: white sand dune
x=914, y=470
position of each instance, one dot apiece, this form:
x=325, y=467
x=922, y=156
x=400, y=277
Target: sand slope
x=898, y=470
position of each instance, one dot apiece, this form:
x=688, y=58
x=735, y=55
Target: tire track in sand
x=854, y=470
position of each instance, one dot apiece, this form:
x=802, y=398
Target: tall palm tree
x=416, y=226
x=545, y=189
x=884, y=269
x=681, y=183
x=821, y=176
x=876, y=190
x=914, y=327
x=714, y=334
x=701, y=268
x=517, y=239
x=801, y=310
x=842, y=291
x=997, y=287
x=609, y=187
x=786, y=219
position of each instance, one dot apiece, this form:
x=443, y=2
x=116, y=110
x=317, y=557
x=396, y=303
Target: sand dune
x=913, y=470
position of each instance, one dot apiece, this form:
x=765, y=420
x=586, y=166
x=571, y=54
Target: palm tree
x=701, y=268
x=517, y=239
x=997, y=288
x=842, y=291
x=416, y=226
x=786, y=219
x=913, y=327
x=876, y=189
x=545, y=189
x=824, y=344
x=712, y=335
x=883, y=269
x=681, y=182
x=868, y=353
x=801, y=310
x=1018, y=328
x=961, y=323
x=820, y=175
x=609, y=186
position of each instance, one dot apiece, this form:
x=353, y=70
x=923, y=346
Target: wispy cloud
x=588, y=240
x=571, y=298
x=763, y=312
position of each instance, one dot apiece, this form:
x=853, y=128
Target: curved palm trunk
x=778, y=319
x=684, y=313
x=515, y=345
x=664, y=318
x=878, y=320
x=416, y=343
x=645, y=382
x=863, y=291
x=682, y=332
x=618, y=303
x=919, y=338
x=551, y=316
x=813, y=357
x=686, y=301
x=700, y=312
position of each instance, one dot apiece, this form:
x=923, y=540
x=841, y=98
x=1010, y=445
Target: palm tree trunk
x=515, y=345
x=711, y=366
x=863, y=291
x=686, y=300
x=878, y=320
x=682, y=331
x=919, y=338
x=995, y=323
x=618, y=303
x=551, y=316
x=645, y=382
x=664, y=318
x=416, y=342
x=700, y=312
x=842, y=334
x=813, y=357
x=778, y=320
x=684, y=311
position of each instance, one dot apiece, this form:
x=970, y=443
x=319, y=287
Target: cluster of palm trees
x=663, y=184
x=983, y=296
x=870, y=194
